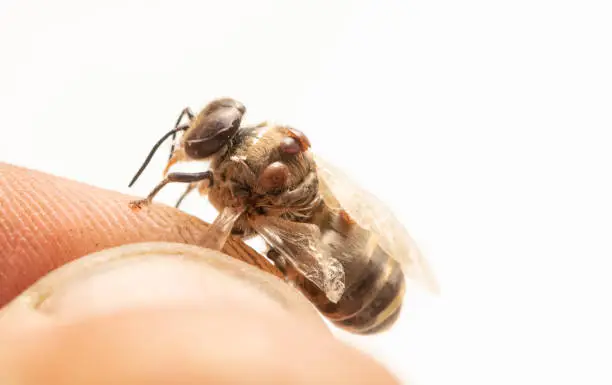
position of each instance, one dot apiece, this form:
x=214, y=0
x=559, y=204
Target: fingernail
x=158, y=275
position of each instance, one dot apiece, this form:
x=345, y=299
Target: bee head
x=214, y=126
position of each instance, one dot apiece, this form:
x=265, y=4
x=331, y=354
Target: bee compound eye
x=274, y=176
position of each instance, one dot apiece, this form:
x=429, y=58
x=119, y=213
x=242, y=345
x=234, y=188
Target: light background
x=484, y=124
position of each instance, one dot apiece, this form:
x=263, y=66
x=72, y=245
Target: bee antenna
x=154, y=149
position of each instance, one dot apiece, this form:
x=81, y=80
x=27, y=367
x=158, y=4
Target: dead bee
x=335, y=242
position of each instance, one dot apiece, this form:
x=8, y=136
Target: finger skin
x=170, y=313
x=187, y=346
x=47, y=221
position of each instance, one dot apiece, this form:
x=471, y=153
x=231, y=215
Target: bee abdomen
x=372, y=299
x=384, y=305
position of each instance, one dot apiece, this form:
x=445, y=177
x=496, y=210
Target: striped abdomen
x=374, y=281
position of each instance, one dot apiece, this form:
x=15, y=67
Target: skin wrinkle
x=93, y=213
x=15, y=241
x=11, y=204
x=48, y=232
x=30, y=239
x=247, y=257
x=61, y=207
x=25, y=240
x=68, y=234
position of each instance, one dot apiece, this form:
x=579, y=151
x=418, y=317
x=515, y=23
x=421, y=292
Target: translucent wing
x=300, y=244
x=221, y=228
x=369, y=212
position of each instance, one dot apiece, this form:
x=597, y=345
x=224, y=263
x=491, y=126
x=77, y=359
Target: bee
x=331, y=239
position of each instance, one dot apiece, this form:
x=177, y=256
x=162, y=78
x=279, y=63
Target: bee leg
x=190, y=115
x=202, y=187
x=189, y=189
x=181, y=177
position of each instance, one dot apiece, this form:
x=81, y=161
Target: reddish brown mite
x=274, y=176
x=297, y=135
x=263, y=180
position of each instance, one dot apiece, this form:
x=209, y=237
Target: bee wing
x=340, y=192
x=300, y=244
x=221, y=228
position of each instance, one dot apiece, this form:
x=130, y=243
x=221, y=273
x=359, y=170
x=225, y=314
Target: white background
x=485, y=125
